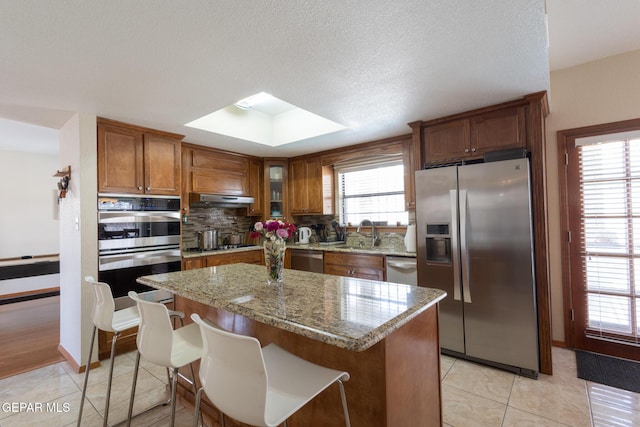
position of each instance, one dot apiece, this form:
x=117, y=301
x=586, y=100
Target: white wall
x=598, y=92
x=78, y=234
x=28, y=218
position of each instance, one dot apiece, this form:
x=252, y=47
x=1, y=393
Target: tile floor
x=473, y=395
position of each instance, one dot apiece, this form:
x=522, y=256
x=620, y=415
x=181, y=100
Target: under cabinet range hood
x=200, y=200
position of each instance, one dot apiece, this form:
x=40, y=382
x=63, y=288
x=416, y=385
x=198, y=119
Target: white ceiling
x=372, y=65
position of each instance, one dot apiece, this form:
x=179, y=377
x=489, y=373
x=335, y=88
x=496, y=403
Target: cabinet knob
x=148, y=188
x=139, y=187
x=473, y=150
x=466, y=150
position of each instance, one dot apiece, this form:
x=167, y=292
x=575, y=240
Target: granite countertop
x=347, y=312
x=379, y=250
x=311, y=246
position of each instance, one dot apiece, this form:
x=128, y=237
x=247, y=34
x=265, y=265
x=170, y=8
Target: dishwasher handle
x=313, y=255
x=401, y=264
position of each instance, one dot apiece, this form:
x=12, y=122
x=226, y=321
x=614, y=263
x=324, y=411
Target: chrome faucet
x=374, y=236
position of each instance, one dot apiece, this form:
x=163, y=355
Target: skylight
x=265, y=119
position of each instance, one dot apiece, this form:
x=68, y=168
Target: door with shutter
x=602, y=252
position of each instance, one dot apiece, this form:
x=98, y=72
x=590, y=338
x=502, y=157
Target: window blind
x=373, y=191
x=610, y=228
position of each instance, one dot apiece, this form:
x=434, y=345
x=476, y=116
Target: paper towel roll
x=410, y=238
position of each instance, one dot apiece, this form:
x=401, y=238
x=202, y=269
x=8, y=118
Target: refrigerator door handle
x=455, y=258
x=464, y=252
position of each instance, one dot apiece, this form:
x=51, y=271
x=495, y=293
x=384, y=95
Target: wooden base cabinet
x=249, y=257
x=364, y=266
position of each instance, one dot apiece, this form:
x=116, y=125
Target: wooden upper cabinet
x=134, y=160
x=256, y=179
x=309, y=184
x=499, y=130
x=217, y=172
x=447, y=141
x=161, y=165
x=411, y=165
x=473, y=136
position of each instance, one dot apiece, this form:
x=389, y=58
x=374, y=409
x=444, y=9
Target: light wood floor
x=29, y=335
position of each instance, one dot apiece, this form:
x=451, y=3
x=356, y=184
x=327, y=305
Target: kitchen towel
x=607, y=370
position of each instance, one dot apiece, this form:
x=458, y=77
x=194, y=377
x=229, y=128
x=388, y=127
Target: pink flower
x=272, y=229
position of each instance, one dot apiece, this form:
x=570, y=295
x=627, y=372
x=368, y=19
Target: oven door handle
x=111, y=217
x=134, y=259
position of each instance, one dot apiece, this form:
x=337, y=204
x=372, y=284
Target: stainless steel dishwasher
x=402, y=270
x=307, y=260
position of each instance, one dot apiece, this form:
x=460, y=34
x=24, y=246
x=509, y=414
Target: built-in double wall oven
x=137, y=236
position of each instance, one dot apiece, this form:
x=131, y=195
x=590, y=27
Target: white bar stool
x=106, y=318
x=159, y=343
x=258, y=386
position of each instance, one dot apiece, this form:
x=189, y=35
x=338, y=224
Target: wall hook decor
x=63, y=184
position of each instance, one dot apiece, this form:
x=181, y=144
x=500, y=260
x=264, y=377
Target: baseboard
x=29, y=295
x=78, y=369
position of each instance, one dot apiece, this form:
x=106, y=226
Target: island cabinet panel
x=212, y=171
x=471, y=137
x=363, y=266
x=395, y=382
x=310, y=187
x=135, y=160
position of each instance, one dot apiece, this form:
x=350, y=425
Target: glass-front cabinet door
x=276, y=188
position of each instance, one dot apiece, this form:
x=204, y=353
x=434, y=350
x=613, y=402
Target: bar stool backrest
x=103, y=304
x=233, y=373
x=155, y=334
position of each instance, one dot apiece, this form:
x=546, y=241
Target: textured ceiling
x=372, y=66
x=582, y=31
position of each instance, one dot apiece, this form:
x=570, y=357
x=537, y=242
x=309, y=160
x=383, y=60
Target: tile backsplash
x=226, y=221
x=229, y=223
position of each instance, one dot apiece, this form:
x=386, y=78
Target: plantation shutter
x=610, y=228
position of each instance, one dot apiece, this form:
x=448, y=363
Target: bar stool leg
x=343, y=397
x=196, y=410
x=133, y=388
x=86, y=375
x=195, y=388
x=106, y=403
x=174, y=386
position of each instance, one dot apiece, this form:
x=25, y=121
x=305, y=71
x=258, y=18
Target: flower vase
x=274, y=259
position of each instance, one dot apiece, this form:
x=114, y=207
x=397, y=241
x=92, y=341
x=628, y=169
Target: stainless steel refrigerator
x=475, y=241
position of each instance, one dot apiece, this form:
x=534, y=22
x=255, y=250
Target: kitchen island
x=384, y=334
